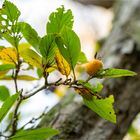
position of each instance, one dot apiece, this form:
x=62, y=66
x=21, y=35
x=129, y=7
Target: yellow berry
x=94, y=66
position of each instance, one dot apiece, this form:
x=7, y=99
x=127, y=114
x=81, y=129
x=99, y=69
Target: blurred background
x=93, y=22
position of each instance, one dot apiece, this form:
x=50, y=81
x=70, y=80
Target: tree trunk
x=121, y=50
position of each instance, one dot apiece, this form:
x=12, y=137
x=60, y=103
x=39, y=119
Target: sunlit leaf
x=31, y=57
x=8, y=55
x=39, y=72
x=103, y=107
x=94, y=88
x=7, y=105
x=98, y=87
x=9, y=38
x=30, y=34
x=23, y=46
x=51, y=69
x=4, y=93
x=19, y=77
x=82, y=58
x=10, y=10
x=37, y=134
x=47, y=70
x=9, y=15
x=59, y=19
x=62, y=64
x=26, y=78
x=114, y=73
x=5, y=67
x=69, y=46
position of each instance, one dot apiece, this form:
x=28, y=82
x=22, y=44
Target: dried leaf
x=84, y=92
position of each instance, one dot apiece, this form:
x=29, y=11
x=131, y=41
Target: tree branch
x=33, y=120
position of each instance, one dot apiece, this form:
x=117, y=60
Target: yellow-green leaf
x=5, y=67
x=69, y=46
x=31, y=57
x=103, y=107
x=26, y=78
x=62, y=64
x=82, y=58
x=8, y=55
x=19, y=77
x=51, y=69
x=35, y=134
x=10, y=10
x=114, y=73
x=7, y=105
x=23, y=46
x=30, y=34
x=4, y=93
x=59, y=19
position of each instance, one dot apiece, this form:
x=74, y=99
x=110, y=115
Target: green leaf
x=10, y=10
x=30, y=34
x=94, y=88
x=19, y=77
x=47, y=47
x=59, y=19
x=103, y=107
x=82, y=58
x=23, y=46
x=98, y=87
x=114, y=73
x=5, y=67
x=9, y=38
x=9, y=15
x=4, y=93
x=7, y=105
x=69, y=46
x=26, y=78
x=37, y=134
x=31, y=57
x=39, y=73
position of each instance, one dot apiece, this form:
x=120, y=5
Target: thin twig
x=31, y=90
x=15, y=116
x=74, y=76
x=33, y=120
x=1, y=135
x=33, y=93
x=21, y=98
x=89, y=78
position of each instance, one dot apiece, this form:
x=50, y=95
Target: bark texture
x=121, y=50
